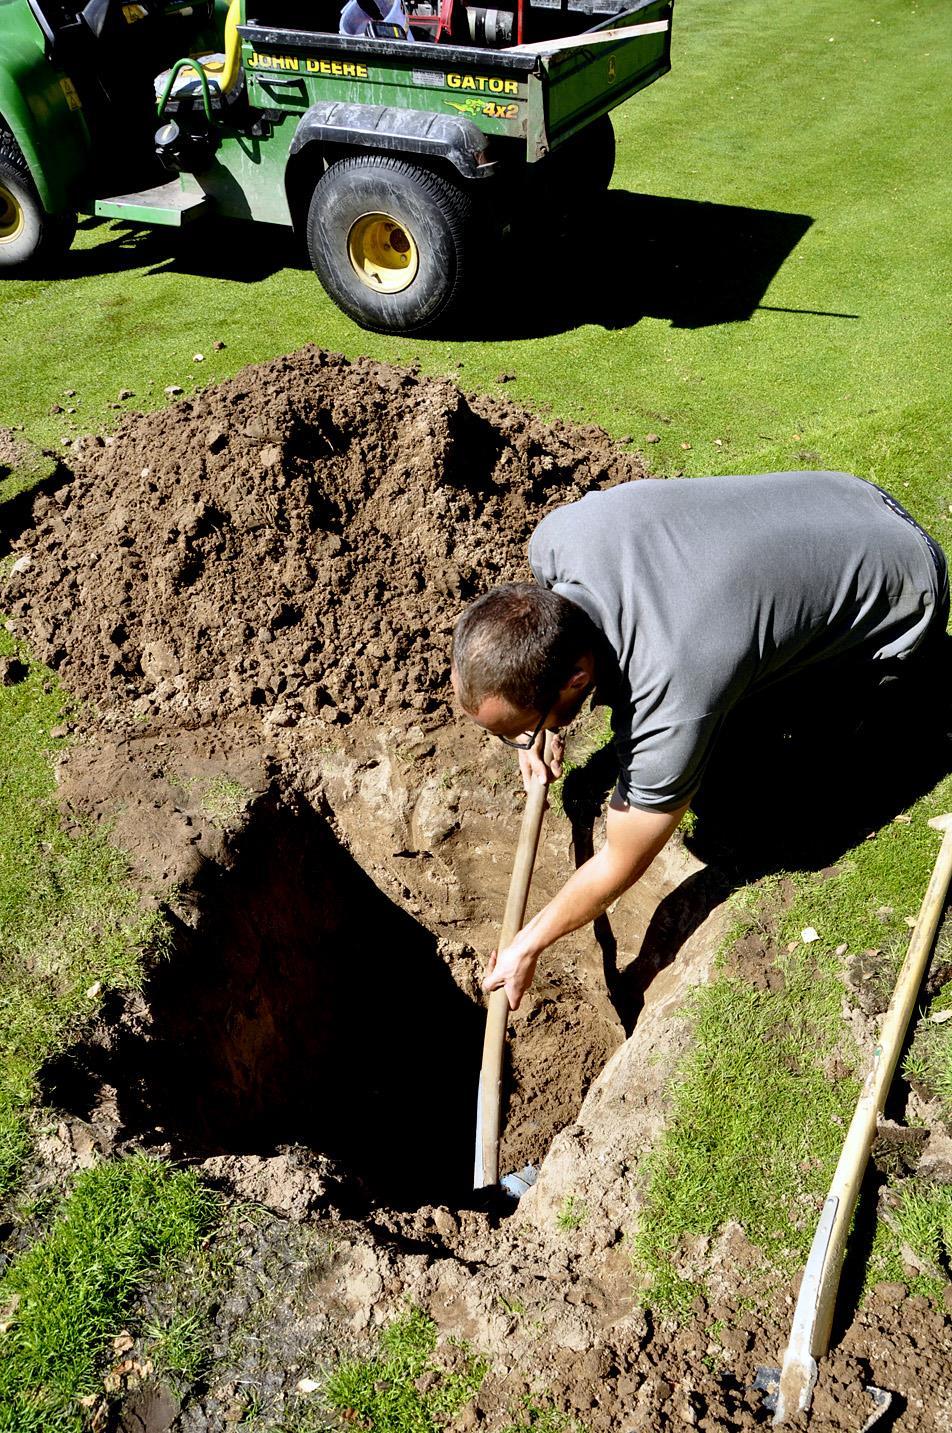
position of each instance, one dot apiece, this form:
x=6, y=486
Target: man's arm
x=633, y=839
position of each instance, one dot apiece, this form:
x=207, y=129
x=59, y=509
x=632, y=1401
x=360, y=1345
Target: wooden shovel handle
x=497, y=1015
x=813, y=1315
x=854, y=1155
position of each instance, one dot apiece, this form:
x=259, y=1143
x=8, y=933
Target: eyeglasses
x=527, y=743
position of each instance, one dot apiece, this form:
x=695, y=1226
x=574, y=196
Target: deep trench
x=305, y=1008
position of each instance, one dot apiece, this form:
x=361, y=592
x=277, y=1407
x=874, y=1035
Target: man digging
x=707, y=613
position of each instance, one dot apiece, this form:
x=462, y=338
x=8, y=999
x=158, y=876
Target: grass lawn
x=765, y=288
x=70, y=925
x=64, y=1299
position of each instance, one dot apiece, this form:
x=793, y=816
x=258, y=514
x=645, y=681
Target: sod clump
x=572, y=1214
x=70, y=1293
x=540, y=1416
x=913, y=1241
x=928, y=1062
x=408, y=1386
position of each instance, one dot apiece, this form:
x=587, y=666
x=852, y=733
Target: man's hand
x=512, y=969
x=534, y=768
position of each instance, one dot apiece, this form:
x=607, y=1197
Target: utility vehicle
x=388, y=150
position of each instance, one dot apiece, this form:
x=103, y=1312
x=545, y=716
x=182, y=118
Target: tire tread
x=56, y=230
x=454, y=203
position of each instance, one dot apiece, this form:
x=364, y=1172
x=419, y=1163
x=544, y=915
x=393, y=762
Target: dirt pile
x=298, y=540
x=12, y=451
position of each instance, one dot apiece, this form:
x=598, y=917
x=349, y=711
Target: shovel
x=486, y=1169
x=813, y=1316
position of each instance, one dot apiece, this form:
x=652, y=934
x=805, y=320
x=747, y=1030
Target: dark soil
x=13, y=451
x=299, y=540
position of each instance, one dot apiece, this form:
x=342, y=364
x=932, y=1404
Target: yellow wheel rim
x=11, y=216
x=382, y=253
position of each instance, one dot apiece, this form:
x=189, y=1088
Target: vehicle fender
x=403, y=131
x=40, y=109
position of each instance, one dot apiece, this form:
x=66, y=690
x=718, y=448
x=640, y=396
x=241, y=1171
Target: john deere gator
x=387, y=150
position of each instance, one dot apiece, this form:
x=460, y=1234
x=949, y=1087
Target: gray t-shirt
x=707, y=589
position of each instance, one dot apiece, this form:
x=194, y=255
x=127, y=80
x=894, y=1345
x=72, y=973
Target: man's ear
x=582, y=674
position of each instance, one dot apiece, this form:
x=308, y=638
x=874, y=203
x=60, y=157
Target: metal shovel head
x=882, y=1401
x=767, y=1382
x=516, y=1184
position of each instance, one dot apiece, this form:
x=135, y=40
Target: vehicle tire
x=387, y=240
x=592, y=155
x=580, y=169
x=28, y=234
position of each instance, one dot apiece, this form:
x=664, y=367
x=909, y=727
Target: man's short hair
x=521, y=642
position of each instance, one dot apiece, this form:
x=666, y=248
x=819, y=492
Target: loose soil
x=300, y=540
x=12, y=451
x=251, y=594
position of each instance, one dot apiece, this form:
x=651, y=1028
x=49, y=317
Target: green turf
x=70, y=926
x=763, y=1098
x=755, y=1127
x=70, y=1293
x=405, y=1388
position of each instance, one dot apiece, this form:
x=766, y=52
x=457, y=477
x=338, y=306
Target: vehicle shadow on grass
x=236, y=249
x=636, y=256
x=631, y=256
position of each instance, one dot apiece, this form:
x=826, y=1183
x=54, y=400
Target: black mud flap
x=397, y=131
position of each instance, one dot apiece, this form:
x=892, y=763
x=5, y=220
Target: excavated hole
x=306, y=1008
x=285, y=555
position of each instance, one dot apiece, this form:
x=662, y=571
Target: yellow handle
x=229, y=74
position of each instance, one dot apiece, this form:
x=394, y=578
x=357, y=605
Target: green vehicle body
x=39, y=107
x=41, y=104
x=534, y=100
x=78, y=96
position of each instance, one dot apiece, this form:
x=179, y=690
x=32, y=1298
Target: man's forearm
x=585, y=896
x=633, y=838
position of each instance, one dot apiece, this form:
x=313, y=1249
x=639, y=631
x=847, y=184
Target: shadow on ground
x=631, y=256
x=804, y=773
x=636, y=256
x=306, y=1008
x=675, y=918
x=238, y=251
